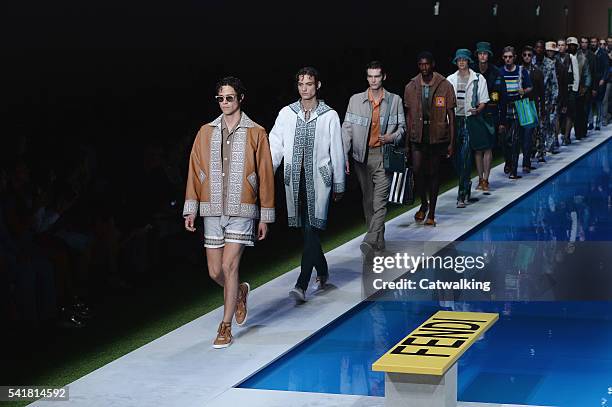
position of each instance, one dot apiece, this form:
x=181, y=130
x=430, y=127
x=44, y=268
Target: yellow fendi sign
x=434, y=346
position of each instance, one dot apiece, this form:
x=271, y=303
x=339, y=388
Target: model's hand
x=450, y=150
x=594, y=92
x=347, y=168
x=337, y=196
x=189, y=221
x=474, y=111
x=386, y=138
x=502, y=128
x=601, y=82
x=262, y=231
x=521, y=91
x=564, y=110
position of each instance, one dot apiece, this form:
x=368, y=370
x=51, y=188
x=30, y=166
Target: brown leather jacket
x=442, y=100
x=249, y=182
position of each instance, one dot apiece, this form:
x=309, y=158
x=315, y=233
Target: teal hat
x=484, y=46
x=463, y=53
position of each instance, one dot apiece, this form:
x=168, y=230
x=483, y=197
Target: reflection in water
x=542, y=353
x=575, y=205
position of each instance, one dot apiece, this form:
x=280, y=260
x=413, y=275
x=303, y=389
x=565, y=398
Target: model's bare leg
x=214, y=259
x=478, y=157
x=232, y=253
x=487, y=162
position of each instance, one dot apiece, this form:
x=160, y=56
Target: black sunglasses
x=228, y=98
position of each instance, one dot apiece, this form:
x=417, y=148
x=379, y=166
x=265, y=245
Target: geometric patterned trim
x=325, y=174
x=202, y=176
x=295, y=106
x=236, y=170
x=268, y=215
x=314, y=222
x=244, y=210
x=190, y=207
x=321, y=109
x=213, y=242
x=338, y=187
x=242, y=238
x=318, y=223
x=292, y=222
x=252, y=178
x=399, y=119
x=303, y=149
x=287, y=174
x=210, y=209
x=356, y=119
x=214, y=171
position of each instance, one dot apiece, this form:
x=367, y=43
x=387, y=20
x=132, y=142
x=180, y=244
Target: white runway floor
x=182, y=369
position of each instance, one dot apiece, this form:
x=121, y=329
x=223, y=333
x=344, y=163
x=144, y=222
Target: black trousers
x=580, y=124
x=312, y=255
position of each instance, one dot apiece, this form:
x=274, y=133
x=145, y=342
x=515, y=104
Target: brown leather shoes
x=242, y=311
x=224, y=336
x=485, y=185
x=420, y=215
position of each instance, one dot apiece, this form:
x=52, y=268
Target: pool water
x=543, y=353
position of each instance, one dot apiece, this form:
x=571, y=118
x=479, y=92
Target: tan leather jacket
x=249, y=182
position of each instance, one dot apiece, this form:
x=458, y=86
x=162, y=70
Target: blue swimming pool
x=543, y=353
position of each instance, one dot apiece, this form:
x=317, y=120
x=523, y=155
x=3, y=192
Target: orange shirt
x=374, y=140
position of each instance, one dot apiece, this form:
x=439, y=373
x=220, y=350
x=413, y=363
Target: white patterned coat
x=319, y=141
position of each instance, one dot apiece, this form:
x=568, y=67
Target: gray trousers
x=375, y=184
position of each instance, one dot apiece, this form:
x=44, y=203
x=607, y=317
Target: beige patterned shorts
x=231, y=229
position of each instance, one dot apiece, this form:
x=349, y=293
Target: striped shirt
x=461, y=86
x=512, y=85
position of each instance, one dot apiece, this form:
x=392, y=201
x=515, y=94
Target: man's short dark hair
x=307, y=70
x=584, y=38
x=509, y=48
x=376, y=65
x=234, y=83
x=542, y=42
x=595, y=38
x=527, y=48
x=426, y=55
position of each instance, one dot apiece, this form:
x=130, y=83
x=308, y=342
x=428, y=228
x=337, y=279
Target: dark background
x=132, y=71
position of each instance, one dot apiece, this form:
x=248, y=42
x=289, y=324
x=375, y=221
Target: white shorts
x=232, y=229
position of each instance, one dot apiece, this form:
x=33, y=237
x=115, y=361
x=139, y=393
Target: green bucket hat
x=484, y=46
x=463, y=53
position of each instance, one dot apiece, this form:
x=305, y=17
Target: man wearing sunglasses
x=518, y=84
x=536, y=94
x=308, y=137
x=231, y=182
